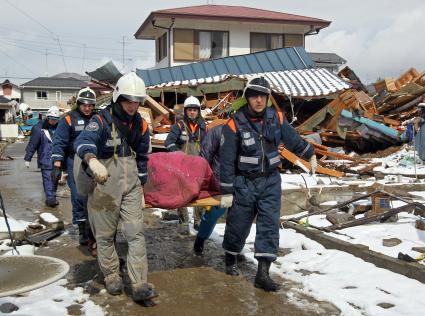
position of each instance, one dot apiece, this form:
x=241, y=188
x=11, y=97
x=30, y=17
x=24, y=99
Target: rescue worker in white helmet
x=188, y=135
x=115, y=147
x=69, y=127
x=41, y=140
x=250, y=179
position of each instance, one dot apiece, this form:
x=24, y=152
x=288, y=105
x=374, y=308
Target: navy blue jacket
x=181, y=132
x=249, y=147
x=41, y=140
x=97, y=139
x=69, y=127
x=211, y=149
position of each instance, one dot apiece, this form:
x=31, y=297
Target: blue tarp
x=388, y=131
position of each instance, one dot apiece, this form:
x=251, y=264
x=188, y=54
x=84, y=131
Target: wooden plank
x=369, y=167
x=209, y=201
x=155, y=106
x=334, y=155
x=285, y=153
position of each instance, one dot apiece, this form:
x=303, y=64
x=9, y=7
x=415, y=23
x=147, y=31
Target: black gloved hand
x=56, y=174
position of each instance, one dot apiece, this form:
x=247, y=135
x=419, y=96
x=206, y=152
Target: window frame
x=196, y=44
x=268, y=41
x=298, y=34
x=41, y=91
x=162, y=40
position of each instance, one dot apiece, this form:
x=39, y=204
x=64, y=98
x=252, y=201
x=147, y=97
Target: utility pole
x=123, y=55
x=84, y=59
x=47, y=72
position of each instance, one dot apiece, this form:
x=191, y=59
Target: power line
x=54, y=36
x=18, y=62
x=39, y=45
x=41, y=50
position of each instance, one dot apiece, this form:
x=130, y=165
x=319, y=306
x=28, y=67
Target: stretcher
x=209, y=201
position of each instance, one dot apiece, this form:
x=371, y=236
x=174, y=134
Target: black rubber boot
x=53, y=203
x=113, y=284
x=198, y=246
x=262, y=279
x=231, y=262
x=142, y=294
x=82, y=233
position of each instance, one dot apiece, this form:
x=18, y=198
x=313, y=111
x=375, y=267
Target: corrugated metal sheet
x=293, y=58
x=297, y=83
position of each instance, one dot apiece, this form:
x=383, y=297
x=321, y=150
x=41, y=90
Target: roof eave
x=320, y=24
x=49, y=87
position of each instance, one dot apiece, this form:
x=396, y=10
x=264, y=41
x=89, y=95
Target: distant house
x=7, y=110
x=10, y=91
x=199, y=33
x=43, y=92
x=329, y=61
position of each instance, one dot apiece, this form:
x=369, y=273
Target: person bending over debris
x=115, y=146
x=41, y=140
x=249, y=177
x=69, y=127
x=209, y=219
x=188, y=135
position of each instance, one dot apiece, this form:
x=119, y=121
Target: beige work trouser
x=119, y=199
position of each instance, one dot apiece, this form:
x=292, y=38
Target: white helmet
x=53, y=113
x=131, y=87
x=86, y=96
x=192, y=102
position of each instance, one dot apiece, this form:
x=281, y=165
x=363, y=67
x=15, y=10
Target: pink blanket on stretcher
x=176, y=179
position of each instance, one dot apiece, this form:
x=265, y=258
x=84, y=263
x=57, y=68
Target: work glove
x=226, y=200
x=27, y=164
x=56, y=174
x=99, y=171
x=313, y=164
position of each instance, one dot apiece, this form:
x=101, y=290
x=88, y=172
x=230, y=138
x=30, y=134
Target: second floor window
x=213, y=44
x=190, y=45
x=161, y=47
x=41, y=95
x=265, y=41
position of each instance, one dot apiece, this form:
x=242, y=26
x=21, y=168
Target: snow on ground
x=15, y=226
x=49, y=218
x=52, y=300
x=356, y=287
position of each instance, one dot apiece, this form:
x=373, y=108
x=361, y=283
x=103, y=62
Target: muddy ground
x=187, y=284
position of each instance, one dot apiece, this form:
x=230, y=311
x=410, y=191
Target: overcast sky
x=378, y=38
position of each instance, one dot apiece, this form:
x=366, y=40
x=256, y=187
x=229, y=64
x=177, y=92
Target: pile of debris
x=337, y=114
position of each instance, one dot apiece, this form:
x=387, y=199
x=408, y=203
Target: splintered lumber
x=285, y=153
x=369, y=167
x=156, y=107
x=379, y=217
x=216, y=122
x=334, y=207
x=334, y=155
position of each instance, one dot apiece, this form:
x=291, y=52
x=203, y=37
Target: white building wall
x=239, y=35
x=29, y=97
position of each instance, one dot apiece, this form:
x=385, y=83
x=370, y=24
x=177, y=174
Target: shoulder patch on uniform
x=222, y=140
x=92, y=126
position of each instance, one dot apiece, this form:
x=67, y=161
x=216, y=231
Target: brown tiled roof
x=233, y=13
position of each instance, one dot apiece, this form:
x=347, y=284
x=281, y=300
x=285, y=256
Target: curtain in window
x=204, y=45
x=219, y=44
x=276, y=41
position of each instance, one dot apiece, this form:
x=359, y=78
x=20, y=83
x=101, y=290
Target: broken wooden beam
x=286, y=154
x=157, y=107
